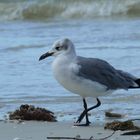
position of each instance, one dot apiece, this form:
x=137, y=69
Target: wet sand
x=32, y=130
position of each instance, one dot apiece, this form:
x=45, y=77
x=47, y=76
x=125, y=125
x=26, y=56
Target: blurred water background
x=106, y=29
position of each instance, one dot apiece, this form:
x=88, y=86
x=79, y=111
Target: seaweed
x=30, y=112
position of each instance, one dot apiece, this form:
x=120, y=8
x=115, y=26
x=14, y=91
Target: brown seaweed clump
x=29, y=112
x=117, y=125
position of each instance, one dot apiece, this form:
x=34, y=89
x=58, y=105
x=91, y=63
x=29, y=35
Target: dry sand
x=32, y=130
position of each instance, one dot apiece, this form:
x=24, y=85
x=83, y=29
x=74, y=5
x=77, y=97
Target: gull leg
x=85, y=112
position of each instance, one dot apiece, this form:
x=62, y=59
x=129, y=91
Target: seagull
x=87, y=77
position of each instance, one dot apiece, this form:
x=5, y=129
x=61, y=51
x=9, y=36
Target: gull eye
x=57, y=48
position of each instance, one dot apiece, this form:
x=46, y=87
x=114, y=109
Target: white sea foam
x=35, y=9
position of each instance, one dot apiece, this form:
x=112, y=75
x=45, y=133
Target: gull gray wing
x=100, y=71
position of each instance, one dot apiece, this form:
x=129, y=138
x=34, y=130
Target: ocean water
x=106, y=29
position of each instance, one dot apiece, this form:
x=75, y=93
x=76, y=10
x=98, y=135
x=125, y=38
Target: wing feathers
x=102, y=72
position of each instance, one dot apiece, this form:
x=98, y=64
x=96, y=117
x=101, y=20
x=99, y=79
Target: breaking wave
x=65, y=9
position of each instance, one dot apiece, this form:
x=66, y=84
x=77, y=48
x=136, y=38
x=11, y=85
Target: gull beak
x=45, y=55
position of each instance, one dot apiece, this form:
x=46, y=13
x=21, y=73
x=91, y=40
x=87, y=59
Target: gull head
x=60, y=47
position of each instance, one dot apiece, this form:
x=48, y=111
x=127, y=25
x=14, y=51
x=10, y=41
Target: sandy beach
x=32, y=130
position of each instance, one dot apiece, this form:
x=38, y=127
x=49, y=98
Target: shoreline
x=34, y=130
